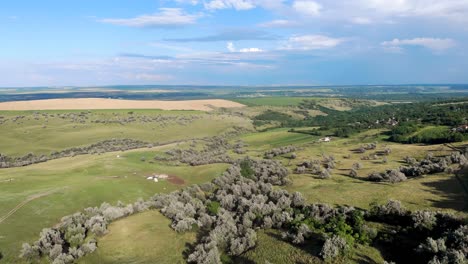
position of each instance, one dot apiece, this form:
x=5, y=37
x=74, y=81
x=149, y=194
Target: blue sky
x=233, y=42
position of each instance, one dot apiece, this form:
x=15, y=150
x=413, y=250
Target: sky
x=233, y=42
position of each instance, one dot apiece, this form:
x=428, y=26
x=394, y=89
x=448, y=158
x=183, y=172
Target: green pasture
x=139, y=239
x=272, y=101
x=72, y=184
x=46, y=135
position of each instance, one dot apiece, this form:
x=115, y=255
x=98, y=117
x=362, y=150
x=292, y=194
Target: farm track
x=23, y=203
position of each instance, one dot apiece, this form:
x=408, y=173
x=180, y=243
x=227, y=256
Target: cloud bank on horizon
x=233, y=42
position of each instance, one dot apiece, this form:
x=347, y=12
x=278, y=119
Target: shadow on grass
x=452, y=193
x=312, y=247
x=363, y=259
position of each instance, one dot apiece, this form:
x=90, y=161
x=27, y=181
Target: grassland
x=271, y=248
x=340, y=104
x=75, y=183
x=140, y=239
x=37, y=196
x=272, y=101
x=52, y=133
x=437, y=192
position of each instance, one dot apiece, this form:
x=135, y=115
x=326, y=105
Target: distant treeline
x=396, y=116
x=97, y=148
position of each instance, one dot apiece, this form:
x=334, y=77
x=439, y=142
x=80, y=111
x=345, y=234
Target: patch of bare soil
x=100, y=103
x=175, y=180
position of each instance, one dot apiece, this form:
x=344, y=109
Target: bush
x=246, y=168
x=333, y=248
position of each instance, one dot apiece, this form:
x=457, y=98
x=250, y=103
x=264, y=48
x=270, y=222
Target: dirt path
x=23, y=203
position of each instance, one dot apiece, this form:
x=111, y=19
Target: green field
x=72, y=184
x=38, y=196
x=437, y=192
x=51, y=133
x=140, y=239
x=273, y=249
x=271, y=101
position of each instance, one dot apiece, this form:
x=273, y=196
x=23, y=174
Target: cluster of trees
x=110, y=145
x=321, y=168
x=421, y=236
x=214, y=151
x=159, y=120
x=270, y=116
x=436, y=113
x=129, y=118
x=75, y=235
x=227, y=212
x=239, y=146
x=366, y=147
x=346, y=123
x=279, y=151
x=429, y=165
x=438, y=135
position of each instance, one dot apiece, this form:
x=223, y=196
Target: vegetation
x=286, y=195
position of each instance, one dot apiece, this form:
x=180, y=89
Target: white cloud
x=434, y=44
x=191, y=2
x=243, y=4
x=305, y=7
x=312, y=42
x=278, y=23
x=230, y=46
x=166, y=17
x=250, y=50
x=451, y=9
x=225, y=4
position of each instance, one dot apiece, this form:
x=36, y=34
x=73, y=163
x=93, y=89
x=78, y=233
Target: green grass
x=81, y=182
x=272, y=101
x=139, y=239
x=29, y=135
x=271, y=248
x=277, y=137
x=72, y=184
x=436, y=192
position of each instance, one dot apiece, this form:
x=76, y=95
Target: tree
x=334, y=247
x=29, y=252
x=424, y=219
x=324, y=174
x=357, y=166
x=300, y=170
x=246, y=168
x=353, y=173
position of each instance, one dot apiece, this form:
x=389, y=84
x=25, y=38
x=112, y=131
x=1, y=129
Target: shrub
x=333, y=248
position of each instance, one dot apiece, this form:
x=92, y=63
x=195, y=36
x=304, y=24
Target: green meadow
x=38, y=196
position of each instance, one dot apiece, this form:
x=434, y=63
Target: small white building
x=325, y=139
